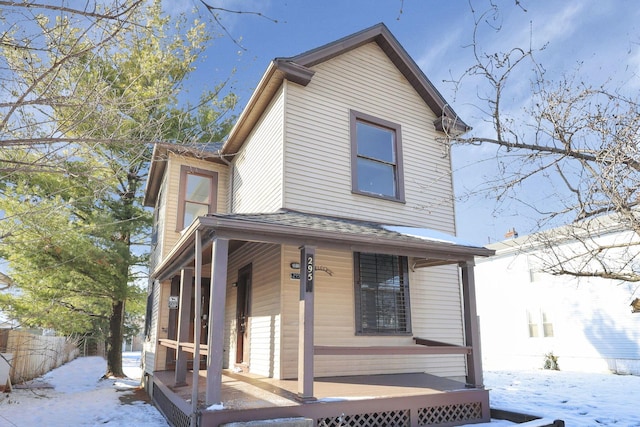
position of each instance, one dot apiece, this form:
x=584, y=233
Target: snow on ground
x=580, y=399
x=80, y=398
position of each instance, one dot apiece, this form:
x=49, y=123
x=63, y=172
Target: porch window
x=198, y=188
x=381, y=294
x=376, y=157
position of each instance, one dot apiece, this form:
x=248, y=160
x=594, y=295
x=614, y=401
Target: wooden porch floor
x=408, y=400
x=248, y=391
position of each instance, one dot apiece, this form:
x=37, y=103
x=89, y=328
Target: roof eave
x=159, y=164
x=157, y=167
x=439, y=253
x=271, y=80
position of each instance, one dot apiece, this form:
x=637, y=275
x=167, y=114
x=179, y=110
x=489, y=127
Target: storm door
x=242, y=312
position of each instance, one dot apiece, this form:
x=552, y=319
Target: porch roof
x=428, y=247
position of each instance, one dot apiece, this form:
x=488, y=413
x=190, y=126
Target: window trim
x=354, y=118
x=186, y=170
x=358, y=310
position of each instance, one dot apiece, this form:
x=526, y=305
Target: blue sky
x=602, y=38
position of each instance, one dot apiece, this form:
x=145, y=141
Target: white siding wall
x=317, y=148
x=264, y=319
x=258, y=167
x=436, y=314
x=594, y=328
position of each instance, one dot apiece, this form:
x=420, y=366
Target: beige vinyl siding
x=258, y=166
x=317, y=148
x=161, y=314
x=436, y=313
x=172, y=190
x=160, y=222
x=436, y=291
x=264, y=312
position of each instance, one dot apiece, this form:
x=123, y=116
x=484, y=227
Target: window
x=382, y=294
x=197, y=195
x=376, y=157
x=539, y=321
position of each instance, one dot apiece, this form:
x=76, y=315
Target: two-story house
x=311, y=255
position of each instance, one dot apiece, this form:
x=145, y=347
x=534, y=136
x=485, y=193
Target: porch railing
x=189, y=347
x=424, y=346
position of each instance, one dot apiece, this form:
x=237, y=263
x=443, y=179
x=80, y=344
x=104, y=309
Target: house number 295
x=309, y=273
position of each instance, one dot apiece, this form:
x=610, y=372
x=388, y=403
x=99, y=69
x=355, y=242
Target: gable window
x=381, y=294
x=376, y=157
x=198, y=189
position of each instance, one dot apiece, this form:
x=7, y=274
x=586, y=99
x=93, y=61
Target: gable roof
x=297, y=69
x=207, y=151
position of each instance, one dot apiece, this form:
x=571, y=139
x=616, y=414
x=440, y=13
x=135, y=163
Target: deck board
x=247, y=391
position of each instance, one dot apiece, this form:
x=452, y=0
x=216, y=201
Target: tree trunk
x=114, y=342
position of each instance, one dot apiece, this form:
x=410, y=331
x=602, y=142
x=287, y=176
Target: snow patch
x=428, y=234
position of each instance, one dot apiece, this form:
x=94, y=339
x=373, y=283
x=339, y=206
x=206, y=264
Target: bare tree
x=575, y=143
x=34, y=57
x=84, y=93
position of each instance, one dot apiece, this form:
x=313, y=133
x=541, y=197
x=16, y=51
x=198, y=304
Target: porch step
x=280, y=422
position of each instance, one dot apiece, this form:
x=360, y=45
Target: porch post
x=186, y=278
x=219, y=259
x=305, y=324
x=472, y=329
x=197, y=315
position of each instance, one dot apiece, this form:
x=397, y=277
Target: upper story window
x=198, y=189
x=376, y=157
x=381, y=294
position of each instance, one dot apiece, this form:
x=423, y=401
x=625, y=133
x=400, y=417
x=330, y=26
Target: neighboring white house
x=588, y=323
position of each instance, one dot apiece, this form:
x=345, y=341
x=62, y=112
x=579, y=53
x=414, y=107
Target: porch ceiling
x=304, y=229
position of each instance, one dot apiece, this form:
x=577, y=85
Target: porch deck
x=416, y=399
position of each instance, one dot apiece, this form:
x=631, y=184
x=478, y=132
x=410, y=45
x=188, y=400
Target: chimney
x=511, y=234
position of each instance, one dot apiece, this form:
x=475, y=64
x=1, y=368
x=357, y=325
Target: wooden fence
x=35, y=355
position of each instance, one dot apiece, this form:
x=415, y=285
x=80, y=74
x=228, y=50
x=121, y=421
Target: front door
x=242, y=312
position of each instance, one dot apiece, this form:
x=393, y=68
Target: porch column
x=305, y=324
x=186, y=279
x=197, y=315
x=219, y=259
x=472, y=328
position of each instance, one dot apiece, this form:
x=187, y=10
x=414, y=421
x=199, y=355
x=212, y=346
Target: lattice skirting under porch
x=177, y=417
x=429, y=416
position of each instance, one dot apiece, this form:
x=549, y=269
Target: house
x=527, y=314
x=314, y=250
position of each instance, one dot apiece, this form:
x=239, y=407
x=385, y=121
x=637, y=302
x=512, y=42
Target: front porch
x=416, y=399
x=344, y=376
